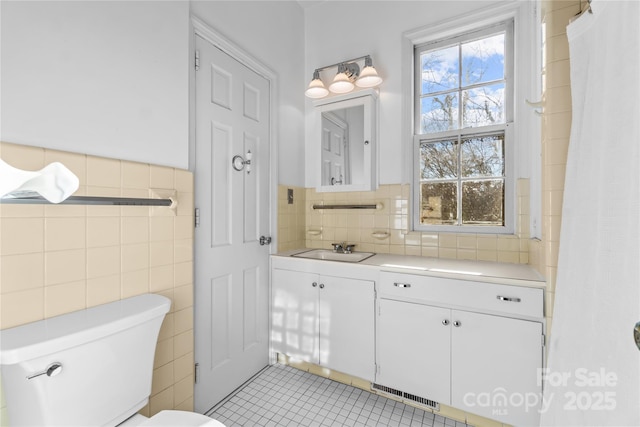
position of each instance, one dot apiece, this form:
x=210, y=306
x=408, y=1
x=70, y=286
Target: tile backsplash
x=386, y=230
x=55, y=259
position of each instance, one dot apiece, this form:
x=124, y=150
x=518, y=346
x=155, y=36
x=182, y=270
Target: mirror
x=346, y=141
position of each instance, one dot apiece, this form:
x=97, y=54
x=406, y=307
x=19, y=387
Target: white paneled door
x=231, y=266
x=334, y=142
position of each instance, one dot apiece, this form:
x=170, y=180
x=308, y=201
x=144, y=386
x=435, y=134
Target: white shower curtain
x=593, y=376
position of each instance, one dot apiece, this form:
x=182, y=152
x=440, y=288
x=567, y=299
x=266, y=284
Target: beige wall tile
x=21, y=307
x=52, y=248
x=183, y=320
x=21, y=272
x=184, y=181
x=22, y=211
x=134, y=257
x=134, y=230
x=23, y=156
x=64, y=266
x=103, y=172
x=183, y=366
x=103, y=231
x=160, y=401
x=183, y=227
x=161, y=177
x=183, y=250
x=187, y=405
x=161, y=278
x=64, y=233
x=183, y=273
x=160, y=228
x=135, y=283
x=160, y=253
x=65, y=298
x=135, y=175
x=162, y=378
x=22, y=235
x=164, y=353
x=103, y=261
x=183, y=343
x=103, y=290
x=183, y=389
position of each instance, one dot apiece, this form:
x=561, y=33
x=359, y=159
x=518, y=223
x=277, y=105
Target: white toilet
x=88, y=368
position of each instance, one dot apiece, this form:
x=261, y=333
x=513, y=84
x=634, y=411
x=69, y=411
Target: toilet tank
x=106, y=355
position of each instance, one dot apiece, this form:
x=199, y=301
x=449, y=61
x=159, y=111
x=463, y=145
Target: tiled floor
x=284, y=396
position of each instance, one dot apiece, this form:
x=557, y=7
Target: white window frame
x=522, y=157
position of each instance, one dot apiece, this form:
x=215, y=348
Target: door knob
x=445, y=322
x=321, y=285
x=457, y=323
x=314, y=284
x=265, y=240
x=636, y=334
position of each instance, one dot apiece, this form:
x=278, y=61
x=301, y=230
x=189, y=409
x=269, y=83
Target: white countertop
x=481, y=271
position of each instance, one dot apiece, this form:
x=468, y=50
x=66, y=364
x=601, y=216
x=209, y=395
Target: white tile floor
x=284, y=396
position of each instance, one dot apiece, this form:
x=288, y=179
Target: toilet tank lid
x=58, y=333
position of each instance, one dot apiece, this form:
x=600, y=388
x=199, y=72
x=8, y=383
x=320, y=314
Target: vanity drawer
x=492, y=297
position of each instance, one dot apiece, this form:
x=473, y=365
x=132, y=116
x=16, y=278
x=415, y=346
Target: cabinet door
x=347, y=326
x=494, y=361
x=295, y=314
x=414, y=349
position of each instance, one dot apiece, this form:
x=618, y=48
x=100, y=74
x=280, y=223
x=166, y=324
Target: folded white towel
x=54, y=182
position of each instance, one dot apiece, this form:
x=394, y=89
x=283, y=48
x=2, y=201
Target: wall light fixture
x=347, y=77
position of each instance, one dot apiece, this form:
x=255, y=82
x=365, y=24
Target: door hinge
x=544, y=341
x=196, y=221
x=197, y=60
x=196, y=372
x=377, y=369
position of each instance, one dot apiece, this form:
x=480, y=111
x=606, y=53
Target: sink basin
x=328, y=255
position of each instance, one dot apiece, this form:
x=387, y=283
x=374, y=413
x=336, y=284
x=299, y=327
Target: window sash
x=461, y=133
x=504, y=26
x=508, y=182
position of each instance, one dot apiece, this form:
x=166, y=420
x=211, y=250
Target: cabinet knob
x=314, y=284
x=445, y=322
x=321, y=286
x=457, y=323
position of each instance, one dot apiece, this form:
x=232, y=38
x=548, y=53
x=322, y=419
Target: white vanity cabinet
x=475, y=346
x=326, y=320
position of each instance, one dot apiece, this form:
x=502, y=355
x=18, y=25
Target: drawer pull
x=509, y=299
x=401, y=285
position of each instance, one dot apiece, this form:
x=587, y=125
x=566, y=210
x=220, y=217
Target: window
x=463, y=131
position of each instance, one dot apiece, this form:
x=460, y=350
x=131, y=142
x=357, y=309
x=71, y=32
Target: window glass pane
x=483, y=202
x=439, y=70
x=483, y=60
x=438, y=203
x=482, y=157
x=439, y=113
x=483, y=106
x=438, y=160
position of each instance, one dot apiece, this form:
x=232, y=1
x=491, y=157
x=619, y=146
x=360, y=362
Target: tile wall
x=291, y=218
x=323, y=227
x=58, y=259
x=556, y=127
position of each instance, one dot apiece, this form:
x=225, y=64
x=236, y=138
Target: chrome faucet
x=343, y=247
